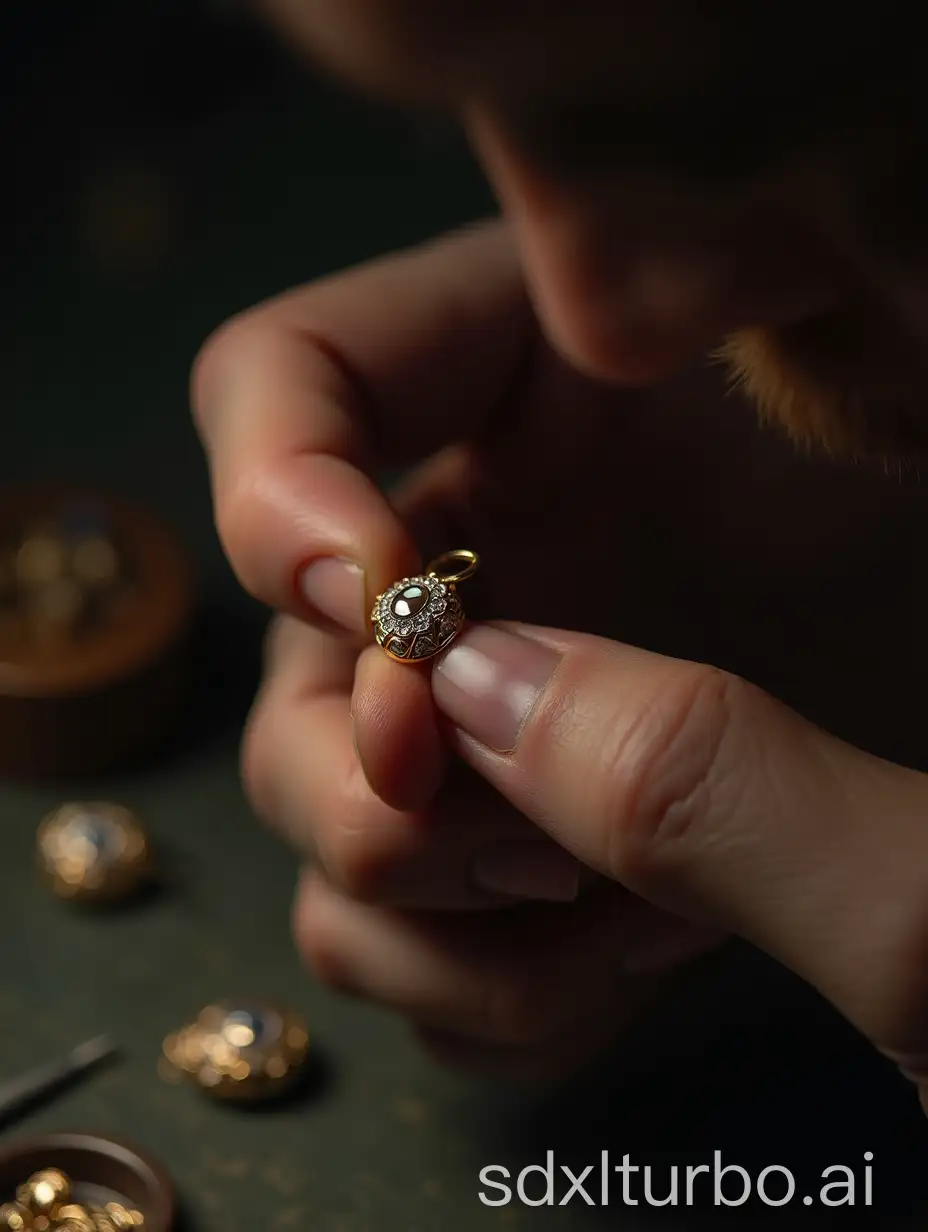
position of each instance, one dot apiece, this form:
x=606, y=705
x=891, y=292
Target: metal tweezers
x=18, y=1095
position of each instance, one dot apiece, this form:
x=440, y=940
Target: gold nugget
x=14, y=1217
x=73, y=1218
x=44, y=1191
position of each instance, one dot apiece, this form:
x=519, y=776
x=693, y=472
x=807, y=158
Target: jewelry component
x=418, y=617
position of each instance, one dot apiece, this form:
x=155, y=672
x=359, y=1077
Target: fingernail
x=488, y=682
x=528, y=870
x=335, y=588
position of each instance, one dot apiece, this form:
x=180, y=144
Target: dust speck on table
x=291, y=1217
x=286, y=1182
x=411, y=1110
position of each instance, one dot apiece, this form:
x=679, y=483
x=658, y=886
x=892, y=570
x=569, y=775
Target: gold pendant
x=95, y=852
x=248, y=1052
x=420, y=616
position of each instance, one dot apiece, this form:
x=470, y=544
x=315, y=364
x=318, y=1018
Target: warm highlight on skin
x=852, y=382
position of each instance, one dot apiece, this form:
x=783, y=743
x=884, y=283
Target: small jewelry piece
x=65, y=571
x=45, y=1203
x=93, y=852
x=419, y=616
x=14, y=1217
x=44, y=1191
x=241, y=1052
x=75, y=1218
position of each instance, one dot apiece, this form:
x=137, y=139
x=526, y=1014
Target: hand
x=592, y=510
x=700, y=793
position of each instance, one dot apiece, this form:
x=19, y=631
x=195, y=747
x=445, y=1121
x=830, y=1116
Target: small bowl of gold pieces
x=84, y=1184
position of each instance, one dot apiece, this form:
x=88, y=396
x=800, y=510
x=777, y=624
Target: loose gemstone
x=410, y=601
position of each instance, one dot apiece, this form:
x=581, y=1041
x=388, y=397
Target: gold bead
x=14, y=1217
x=95, y=561
x=53, y=612
x=73, y=1217
x=44, y=1191
x=41, y=559
x=122, y=1218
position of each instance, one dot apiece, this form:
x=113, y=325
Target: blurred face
x=683, y=175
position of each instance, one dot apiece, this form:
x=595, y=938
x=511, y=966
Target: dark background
x=164, y=165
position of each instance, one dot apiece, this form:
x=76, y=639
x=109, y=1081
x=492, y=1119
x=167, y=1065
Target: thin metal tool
x=19, y=1094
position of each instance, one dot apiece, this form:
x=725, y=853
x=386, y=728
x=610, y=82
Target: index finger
x=301, y=401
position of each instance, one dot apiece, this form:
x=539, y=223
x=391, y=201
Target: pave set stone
x=416, y=617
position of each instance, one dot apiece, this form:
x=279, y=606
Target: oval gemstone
x=410, y=601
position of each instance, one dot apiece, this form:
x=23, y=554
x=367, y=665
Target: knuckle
x=664, y=775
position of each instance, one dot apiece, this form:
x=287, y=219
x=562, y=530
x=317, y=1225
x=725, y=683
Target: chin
x=851, y=383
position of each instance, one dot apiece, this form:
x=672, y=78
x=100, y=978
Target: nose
x=617, y=295
x=622, y=313
x=633, y=317
x=632, y=276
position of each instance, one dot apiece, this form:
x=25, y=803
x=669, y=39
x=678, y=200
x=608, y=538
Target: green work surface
x=287, y=185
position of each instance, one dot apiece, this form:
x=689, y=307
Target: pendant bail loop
x=443, y=567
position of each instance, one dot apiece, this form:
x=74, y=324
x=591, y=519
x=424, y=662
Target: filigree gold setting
x=418, y=617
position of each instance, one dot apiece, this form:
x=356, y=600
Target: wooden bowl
x=101, y=1170
x=90, y=698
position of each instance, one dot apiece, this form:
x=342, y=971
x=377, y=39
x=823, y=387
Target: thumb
x=702, y=794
